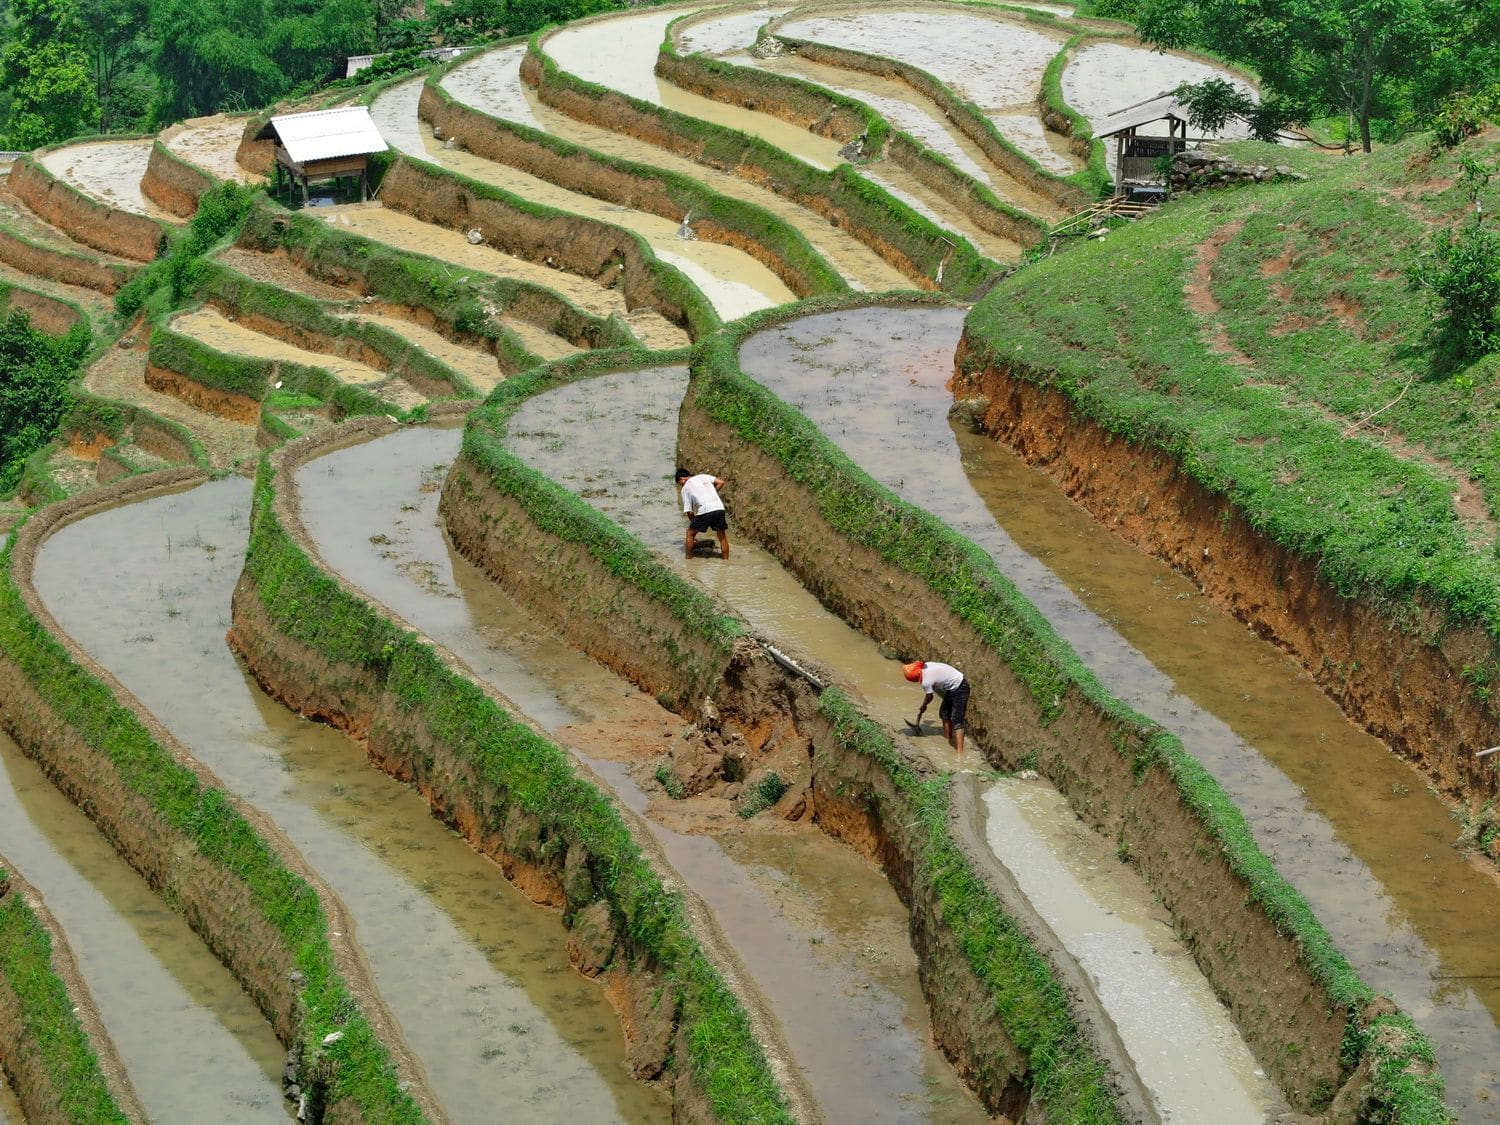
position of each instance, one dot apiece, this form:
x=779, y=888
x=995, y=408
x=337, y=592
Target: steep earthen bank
x=172, y=183
x=235, y=878
x=910, y=583
x=574, y=243
x=57, y=264
x=86, y=220
x=48, y=314
x=1396, y=668
x=325, y=650
x=54, y=1049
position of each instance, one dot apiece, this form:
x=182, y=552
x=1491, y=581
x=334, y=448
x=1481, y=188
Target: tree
x=111, y=36
x=46, y=69
x=1318, y=57
x=1462, y=271
x=34, y=374
x=211, y=56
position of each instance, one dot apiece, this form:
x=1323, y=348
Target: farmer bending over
x=953, y=686
x=703, y=508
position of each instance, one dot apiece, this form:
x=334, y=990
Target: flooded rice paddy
x=615, y=459
x=193, y=1044
x=819, y=930
x=476, y=977
x=1104, y=78
x=210, y=143
x=1351, y=826
x=110, y=171
x=733, y=281
x=492, y=83
x=730, y=30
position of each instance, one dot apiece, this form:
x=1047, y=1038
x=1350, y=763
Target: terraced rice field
x=566, y=823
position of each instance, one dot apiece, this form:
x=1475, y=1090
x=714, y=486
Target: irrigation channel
x=476, y=976
x=1350, y=825
x=818, y=929
x=193, y=1044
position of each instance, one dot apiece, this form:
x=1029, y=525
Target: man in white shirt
x=703, y=508
x=953, y=686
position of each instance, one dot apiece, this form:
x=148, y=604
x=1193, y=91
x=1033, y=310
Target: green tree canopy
x=45, y=67
x=34, y=374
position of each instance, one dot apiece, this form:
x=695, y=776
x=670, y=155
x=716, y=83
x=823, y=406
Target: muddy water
x=732, y=280
x=193, y=1044
x=899, y=104
x=476, y=977
x=110, y=171
x=733, y=29
x=858, y=1033
x=620, y=458
x=621, y=53
x=1186, y=1049
x=493, y=84
x=10, y=1105
x=1352, y=827
x=211, y=144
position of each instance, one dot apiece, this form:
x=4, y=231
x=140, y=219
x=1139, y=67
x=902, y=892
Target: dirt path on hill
x=1197, y=291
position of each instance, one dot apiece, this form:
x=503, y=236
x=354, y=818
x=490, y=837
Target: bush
x=36, y=369
x=762, y=795
x=220, y=212
x=1462, y=271
x=1462, y=116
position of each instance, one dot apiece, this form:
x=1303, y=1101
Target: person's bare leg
x=687, y=544
x=948, y=731
x=958, y=741
x=723, y=545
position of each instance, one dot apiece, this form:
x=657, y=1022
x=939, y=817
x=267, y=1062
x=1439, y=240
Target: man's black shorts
x=710, y=521
x=955, y=706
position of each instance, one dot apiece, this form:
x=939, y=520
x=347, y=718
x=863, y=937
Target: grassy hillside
x=1268, y=337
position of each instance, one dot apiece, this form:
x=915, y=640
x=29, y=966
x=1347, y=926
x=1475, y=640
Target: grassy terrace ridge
x=766, y=237
x=665, y=283
x=1076, y=189
x=54, y=1066
x=867, y=211
x=1027, y=996
x=827, y=113
x=305, y=604
x=301, y=316
x=1309, y=285
x=979, y=595
x=356, y=1067
x=413, y=281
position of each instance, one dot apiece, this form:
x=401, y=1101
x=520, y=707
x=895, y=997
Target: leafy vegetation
x=172, y=277
x=35, y=370
x=1463, y=271
x=38, y=1001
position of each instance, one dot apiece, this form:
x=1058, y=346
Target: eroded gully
x=475, y=975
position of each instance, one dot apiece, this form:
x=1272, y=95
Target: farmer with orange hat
x=953, y=686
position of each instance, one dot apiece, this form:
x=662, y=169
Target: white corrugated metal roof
x=1142, y=113
x=325, y=134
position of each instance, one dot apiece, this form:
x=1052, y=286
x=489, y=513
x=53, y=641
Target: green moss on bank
x=46, y=1014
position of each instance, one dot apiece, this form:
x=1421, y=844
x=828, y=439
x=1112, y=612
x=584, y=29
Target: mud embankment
x=323, y=649
x=172, y=183
x=48, y=314
x=235, y=878
x=86, y=220
x=913, y=585
x=1396, y=669
x=58, y=264
x=54, y=1048
x=594, y=250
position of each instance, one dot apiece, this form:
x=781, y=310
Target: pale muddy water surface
x=988, y=60
x=732, y=29
x=476, y=977
x=853, y=1018
x=620, y=53
x=110, y=171
x=1186, y=1049
x=10, y=1105
x=1349, y=824
x=210, y=143
x=733, y=281
x=1105, y=78
x=904, y=108
x=500, y=88
x=194, y=1045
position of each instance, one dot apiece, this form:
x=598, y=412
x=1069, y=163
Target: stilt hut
x=1143, y=134
x=324, y=146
